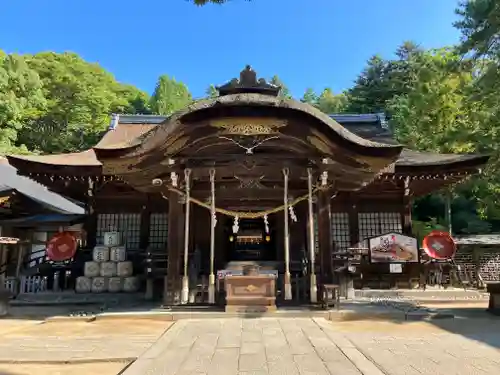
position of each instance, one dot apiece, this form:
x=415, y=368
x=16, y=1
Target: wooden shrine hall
x=248, y=177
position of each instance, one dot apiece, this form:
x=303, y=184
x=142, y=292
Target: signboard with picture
x=393, y=248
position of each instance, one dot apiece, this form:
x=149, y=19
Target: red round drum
x=62, y=246
x=439, y=245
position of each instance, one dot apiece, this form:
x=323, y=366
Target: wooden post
x=185, y=276
x=325, y=236
x=213, y=222
x=407, y=204
x=171, y=295
x=90, y=224
x=288, y=285
x=313, y=286
x=144, y=243
x=448, y=211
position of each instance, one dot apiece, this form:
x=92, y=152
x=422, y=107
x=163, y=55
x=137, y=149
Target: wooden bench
x=330, y=296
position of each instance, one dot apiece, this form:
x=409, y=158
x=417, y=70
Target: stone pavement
x=78, y=341
x=299, y=346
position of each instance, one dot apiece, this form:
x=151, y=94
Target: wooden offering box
x=250, y=293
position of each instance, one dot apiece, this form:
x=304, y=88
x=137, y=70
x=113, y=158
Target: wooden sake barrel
x=91, y=269
x=108, y=269
x=99, y=285
x=124, y=269
x=112, y=239
x=100, y=254
x=83, y=284
x=131, y=284
x=115, y=284
x=117, y=254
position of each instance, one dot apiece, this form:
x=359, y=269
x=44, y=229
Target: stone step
x=433, y=294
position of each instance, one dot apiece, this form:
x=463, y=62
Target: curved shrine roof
x=131, y=128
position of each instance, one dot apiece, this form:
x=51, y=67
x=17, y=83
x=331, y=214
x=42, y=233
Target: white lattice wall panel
x=372, y=224
x=158, y=230
x=129, y=225
x=340, y=230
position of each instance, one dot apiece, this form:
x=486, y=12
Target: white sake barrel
x=100, y=254
x=91, y=269
x=131, y=284
x=99, y=285
x=117, y=254
x=111, y=239
x=124, y=269
x=83, y=284
x=115, y=284
x=108, y=269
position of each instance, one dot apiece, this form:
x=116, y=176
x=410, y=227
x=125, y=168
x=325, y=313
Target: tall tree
x=309, y=97
x=331, y=103
x=80, y=98
x=21, y=101
x=284, y=92
x=169, y=96
x=212, y=92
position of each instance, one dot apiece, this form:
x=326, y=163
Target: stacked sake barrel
x=109, y=270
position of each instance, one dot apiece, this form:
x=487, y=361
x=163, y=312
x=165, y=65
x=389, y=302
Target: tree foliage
x=444, y=100
x=169, y=96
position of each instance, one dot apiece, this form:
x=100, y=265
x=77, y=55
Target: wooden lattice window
x=340, y=230
x=372, y=224
x=158, y=230
x=129, y=225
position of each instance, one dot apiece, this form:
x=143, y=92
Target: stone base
x=4, y=306
x=249, y=309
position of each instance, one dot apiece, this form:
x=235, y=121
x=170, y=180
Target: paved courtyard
x=265, y=346
x=317, y=347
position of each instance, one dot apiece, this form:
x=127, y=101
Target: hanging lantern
x=266, y=224
x=236, y=227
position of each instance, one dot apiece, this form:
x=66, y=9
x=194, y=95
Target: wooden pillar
x=175, y=240
x=187, y=223
x=286, y=238
x=145, y=224
x=325, y=236
x=144, y=243
x=407, y=205
x=213, y=221
x=447, y=198
x=90, y=223
x=353, y=220
x=310, y=226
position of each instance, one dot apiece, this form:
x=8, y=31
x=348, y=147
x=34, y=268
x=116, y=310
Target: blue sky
x=307, y=43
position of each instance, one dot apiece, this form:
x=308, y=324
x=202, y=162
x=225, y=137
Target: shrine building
x=248, y=176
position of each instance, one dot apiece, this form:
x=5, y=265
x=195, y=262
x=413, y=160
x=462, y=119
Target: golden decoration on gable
x=248, y=126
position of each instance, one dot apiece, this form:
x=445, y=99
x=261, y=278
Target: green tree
x=169, y=96
x=309, y=97
x=331, y=103
x=284, y=92
x=21, y=101
x=80, y=98
x=212, y=92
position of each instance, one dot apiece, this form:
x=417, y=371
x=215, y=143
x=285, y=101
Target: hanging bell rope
x=246, y=214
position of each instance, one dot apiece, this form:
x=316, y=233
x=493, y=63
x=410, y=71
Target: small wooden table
x=330, y=296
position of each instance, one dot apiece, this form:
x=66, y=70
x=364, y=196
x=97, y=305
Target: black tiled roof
x=10, y=180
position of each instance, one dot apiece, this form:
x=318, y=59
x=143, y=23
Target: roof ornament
x=115, y=118
x=248, y=83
